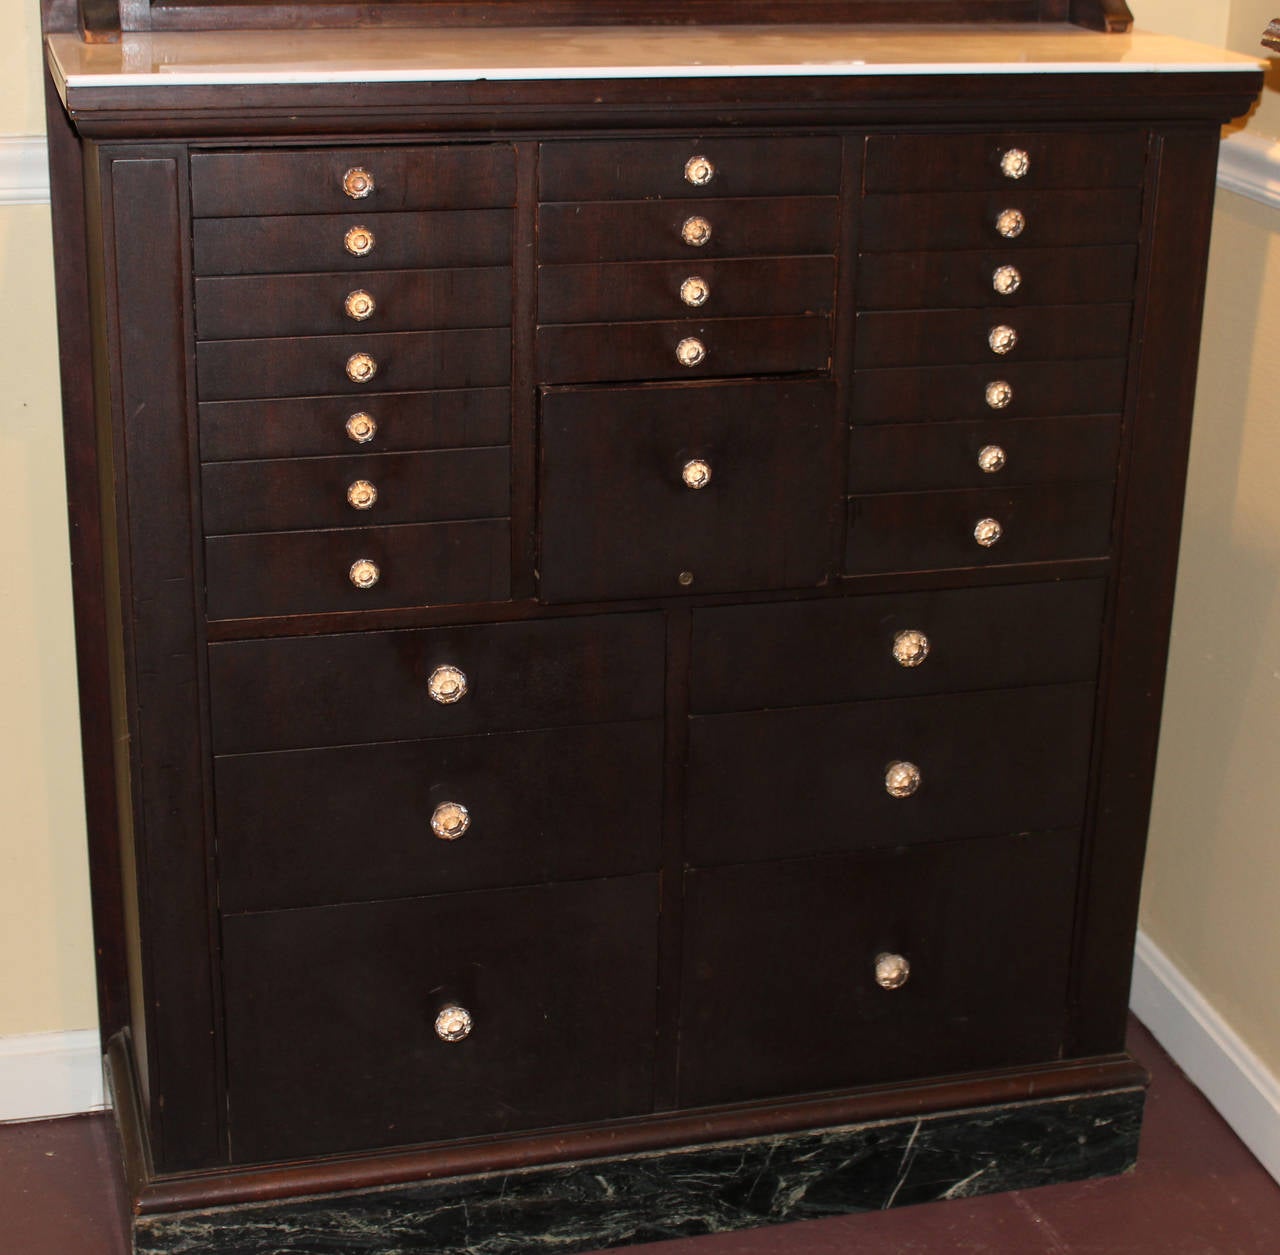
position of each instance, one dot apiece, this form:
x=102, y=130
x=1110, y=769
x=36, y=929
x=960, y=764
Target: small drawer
x=360, y=568
x=996, y=279
x=632, y=291
x=781, y=992
x=921, y=531
x=353, y=241
x=249, y=306
x=234, y=370
x=913, y=457
x=839, y=649
x=605, y=352
x=355, y=688
x=359, y=491
x=662, y=230
x=941, y=337
x=557, y=984
x=333, y=180
x=1017, y=159
x=384, y=423
x=645, y=169
x=469, y=812
x=971, y=220
x=667, y=490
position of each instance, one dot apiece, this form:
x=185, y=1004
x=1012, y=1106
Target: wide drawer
x=640, y=169
x=280, y=181
x=563, y=804
x=813, y=779
x=342, y=1002
x=927, y=530
x=414, y=564
x=352, y=688
x=806, y=653
x=619, y=517
x=780, y=989
x=291, y=493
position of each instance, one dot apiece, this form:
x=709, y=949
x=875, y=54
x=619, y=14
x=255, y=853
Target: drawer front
x=248, y=306
x=562, y=804
x=641, y=169
x=1052, y=159
x=233, y=370
x=911, y=457
x=812, y=780
x=928, y=530
x=805, y=653
x=318, y=426
x=292, y=493
x=652, y=230
x=780, y=993
x=618, y=518
x=317, y=242
x=342, y=1002
x=597, y=353
x=355, y=688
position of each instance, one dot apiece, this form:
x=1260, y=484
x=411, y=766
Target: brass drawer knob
x=696, y=473
x=450, y=820
x=901, y=779
x=1011, y=223
x=696, y=231
x=364, y=573
x=358, y=241
x=987, y=532
x=447, y=685
x=1002, y=339
x=361, y=427
x=695, y=290
x=992, y=458
x=910, y=647
x=892, y=971
x=1015, y=164
x=359, y=305
x=453, y=1023
x=699, y=171
x=690, y=351
x=999, y=394
x=361, y=495
x=357, y=183
x=361, y=368
x=1006, y=280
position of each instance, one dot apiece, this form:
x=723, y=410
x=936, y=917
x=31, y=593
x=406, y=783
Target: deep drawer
x=927, y=530
x=293, y=493
x=558, y=980
x=811, y=780
x=841, y=649
x=619, y=520
x=373, y=686
x=564, y=804
x=780, y=994
x=418, y=564
x=311, y=181
x=640, y=169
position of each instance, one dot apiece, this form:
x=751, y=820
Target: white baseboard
x=1197, y=1038
x=24, y=170
x=50, y=1074
x=1249, y=165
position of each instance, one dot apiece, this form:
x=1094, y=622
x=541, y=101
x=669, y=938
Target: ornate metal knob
x=696, y=473
x=992, y=458
x=1002, y=339
x=361, y=495
x=999, y=394
x=690, y=351
x=987, y=532
x=447, y=685
x=361, y=368
x=358, y=241
x=364, y=573
x=892, y=971
x=357, y=183
x=361, y=427
x=910, y=647
x=450, y=820
x=1006, y=280
x=901, y=779
x=453, y=1023
x=695, y=290
x=359, y=305
x=1015, y=164
x=684, y=579
x=695, y=231
x=699, y=171
x=1011, y=223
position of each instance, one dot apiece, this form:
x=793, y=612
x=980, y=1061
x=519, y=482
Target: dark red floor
x=1196, y=1191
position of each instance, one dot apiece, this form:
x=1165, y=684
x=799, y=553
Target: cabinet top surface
x=463, y=55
